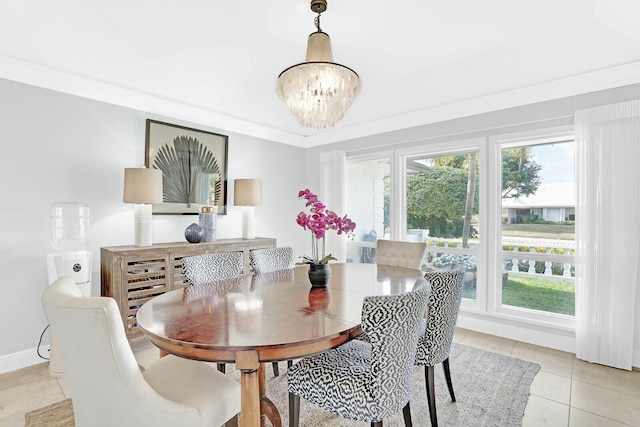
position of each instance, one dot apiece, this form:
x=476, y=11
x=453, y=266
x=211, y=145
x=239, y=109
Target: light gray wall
x=57, y=147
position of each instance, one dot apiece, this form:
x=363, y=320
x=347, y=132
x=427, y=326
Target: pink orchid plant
x=318, y=221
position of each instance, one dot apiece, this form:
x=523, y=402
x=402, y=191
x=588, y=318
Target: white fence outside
x=515, y=260
x=541, y=259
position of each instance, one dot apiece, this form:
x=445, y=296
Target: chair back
x=209, y=268
x=400, y=254
x=270, y=260
x=107, y=386
x=444, y=302
x=392, y=325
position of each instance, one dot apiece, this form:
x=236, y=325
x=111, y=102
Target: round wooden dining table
x=254, y=320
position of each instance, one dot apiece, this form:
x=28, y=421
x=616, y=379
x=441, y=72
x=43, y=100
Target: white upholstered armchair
x=107, y=386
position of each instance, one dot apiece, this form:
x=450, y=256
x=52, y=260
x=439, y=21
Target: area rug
x=491, y=390
x=59, y=414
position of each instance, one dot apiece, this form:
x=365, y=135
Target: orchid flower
x=319, y=221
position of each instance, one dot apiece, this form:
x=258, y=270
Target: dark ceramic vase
x=319, y=275
x=194, y=233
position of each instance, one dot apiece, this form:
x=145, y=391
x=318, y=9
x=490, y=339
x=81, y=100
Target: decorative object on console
x=318, y=92
x=247, y=193
x=208, y=223
x=143, y=187
x=318, y=221
x=193, y=165
x=194, y=233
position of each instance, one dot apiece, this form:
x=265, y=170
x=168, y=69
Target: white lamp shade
x=247, y=192
x=142, y=185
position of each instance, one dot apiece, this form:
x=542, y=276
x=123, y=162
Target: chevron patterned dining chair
x=435, y=340
x=271, y=260
x=366, y=380
x=207, y=269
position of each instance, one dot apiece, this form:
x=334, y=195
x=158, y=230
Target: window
x=538, y=225
x=367, y=185
x=510, y=225
x=442, y=203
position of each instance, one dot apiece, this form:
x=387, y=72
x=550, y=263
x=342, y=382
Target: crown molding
x=35, y=75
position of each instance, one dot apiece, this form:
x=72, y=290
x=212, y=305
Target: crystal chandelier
x=318, y=91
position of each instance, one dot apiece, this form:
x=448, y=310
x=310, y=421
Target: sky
x=557, y=160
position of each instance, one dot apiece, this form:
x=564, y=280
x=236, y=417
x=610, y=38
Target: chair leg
x=376, y=423
x=222, y=367
x=431, y=394
x=447, y=375
x=294, y=410
x=276, y=369
x=289, y=363
x=406, y=411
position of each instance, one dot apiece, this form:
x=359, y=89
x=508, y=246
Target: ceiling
x=216, y=62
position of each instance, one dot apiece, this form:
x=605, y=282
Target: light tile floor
x=566, y=391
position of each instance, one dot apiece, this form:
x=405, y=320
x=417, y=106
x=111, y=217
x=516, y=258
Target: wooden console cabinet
x=133, y=275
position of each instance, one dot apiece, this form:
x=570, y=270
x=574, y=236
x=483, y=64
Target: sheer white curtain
x=333, y=184
x=607, y=232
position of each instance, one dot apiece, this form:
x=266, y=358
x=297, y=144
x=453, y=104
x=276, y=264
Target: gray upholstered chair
x=271, y=259
x=366, y=380
x=400, y=254
x=107, y=386
x=434, y=343
x=265, y=262
x=208, y=268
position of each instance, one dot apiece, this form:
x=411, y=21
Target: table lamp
x=247, y=193
x=143, y=187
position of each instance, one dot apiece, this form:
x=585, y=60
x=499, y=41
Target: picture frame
x=190, y=161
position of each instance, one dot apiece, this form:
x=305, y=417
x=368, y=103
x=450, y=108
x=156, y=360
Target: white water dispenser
x=70, y=240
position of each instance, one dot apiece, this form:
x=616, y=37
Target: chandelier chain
x=317, y=22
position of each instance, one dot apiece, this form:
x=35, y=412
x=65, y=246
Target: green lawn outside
x=554, y=296
x=544, y=231
x=537, y=292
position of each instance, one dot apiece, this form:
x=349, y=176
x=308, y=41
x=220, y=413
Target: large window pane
x=538, y=227
x=366, y=181
x=442, y=209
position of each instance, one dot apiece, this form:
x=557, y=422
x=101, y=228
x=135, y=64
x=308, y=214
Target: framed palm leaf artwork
x=193, y=165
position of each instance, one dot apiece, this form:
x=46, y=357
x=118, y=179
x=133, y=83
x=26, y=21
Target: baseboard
x=22, y=359
x=543, y=336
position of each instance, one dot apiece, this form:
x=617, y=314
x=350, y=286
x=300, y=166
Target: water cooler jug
x=69, y=239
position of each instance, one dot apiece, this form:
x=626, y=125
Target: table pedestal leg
x=267, y=407
x=256, y=407
x=247, y=363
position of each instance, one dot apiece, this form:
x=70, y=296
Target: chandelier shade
x=318, y=92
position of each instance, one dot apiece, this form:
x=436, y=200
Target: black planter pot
x=319, y=275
